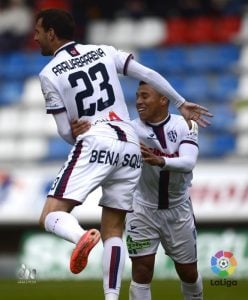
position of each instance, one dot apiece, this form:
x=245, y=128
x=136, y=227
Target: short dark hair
x=142, y=82
x=59, y=20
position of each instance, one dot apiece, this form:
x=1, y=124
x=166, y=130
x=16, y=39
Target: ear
x=51, y=34
x=164, y=101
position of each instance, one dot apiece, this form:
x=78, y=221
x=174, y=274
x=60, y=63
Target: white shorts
x=174, y=228
x=100, y=161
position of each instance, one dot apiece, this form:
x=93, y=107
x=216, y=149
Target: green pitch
x=92, y=290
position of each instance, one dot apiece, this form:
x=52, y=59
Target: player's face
x=43, y=38
x=150, y=104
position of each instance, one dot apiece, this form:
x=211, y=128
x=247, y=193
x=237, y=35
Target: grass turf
x=92, y=290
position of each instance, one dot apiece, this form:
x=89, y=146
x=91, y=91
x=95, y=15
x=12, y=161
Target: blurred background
x=201, y=47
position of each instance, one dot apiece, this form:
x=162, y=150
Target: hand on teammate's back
x=79, y=127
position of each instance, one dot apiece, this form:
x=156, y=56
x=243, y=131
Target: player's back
x=86, y=80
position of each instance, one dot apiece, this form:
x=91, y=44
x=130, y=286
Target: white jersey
x=161, y=188
x=83, y=81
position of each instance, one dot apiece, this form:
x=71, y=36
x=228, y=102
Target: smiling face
x=151, y=106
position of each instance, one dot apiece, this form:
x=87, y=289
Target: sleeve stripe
x=189, y=142
x=126, y=64
x=55, y=111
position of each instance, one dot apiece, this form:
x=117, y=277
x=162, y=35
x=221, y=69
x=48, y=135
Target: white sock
x=193, y=291
x=113, y=266
x=111, y=296
x=64, y=225
x=139, y=291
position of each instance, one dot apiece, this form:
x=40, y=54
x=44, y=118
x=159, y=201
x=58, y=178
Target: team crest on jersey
x=74, y=52
x=172, y=136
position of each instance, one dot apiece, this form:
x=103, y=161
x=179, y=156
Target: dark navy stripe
x=55, y=111
x=126, y=64
x=163, y=195
x=159, y=131
x=114, y=266
x=60, y=189
x=120, y=133
x=189, y=142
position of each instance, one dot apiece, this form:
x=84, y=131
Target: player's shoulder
x=193, y=126
x=178, y=120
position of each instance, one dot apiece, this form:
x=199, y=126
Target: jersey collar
x=68, y=47
x=160, y=124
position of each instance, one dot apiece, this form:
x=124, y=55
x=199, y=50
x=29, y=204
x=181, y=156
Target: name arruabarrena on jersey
x=78, y=62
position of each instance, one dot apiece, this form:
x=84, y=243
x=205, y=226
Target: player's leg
x=143, y=239
x=56, y=218
x=181, y=246
x=114, y=253
x=142, y=273
x=191, y=281
x=117, y=198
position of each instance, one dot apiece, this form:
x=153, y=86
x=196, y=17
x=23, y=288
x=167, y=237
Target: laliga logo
x=223, y=263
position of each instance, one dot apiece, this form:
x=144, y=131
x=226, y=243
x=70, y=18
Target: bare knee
x=187, y=272
x=142, y=269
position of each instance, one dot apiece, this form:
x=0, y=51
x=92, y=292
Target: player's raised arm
x=189, y=110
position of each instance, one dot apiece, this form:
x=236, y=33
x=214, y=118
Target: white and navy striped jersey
x=83, y=81
x=169, y=186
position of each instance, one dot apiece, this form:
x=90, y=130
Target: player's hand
x=195, y=112
x=150, y=158
x=79, y=127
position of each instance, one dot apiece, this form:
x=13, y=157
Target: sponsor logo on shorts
x=107, y=157
x=133, y=246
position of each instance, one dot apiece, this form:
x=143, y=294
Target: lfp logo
x=223, y=263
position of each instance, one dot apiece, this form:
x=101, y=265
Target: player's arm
x=188, y=151
x=186, y=161
x=64, y=127
x=55, y=106
x=189, y=110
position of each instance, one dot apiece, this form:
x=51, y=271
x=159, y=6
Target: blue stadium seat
x=195, y=88
x=10, y=92
x=223, y=87
x=20, y=65
x=225, y=57
x=36, y=63
x=208, y=58
x=224, y=118
x=171, y=60
x=216, y=145
x=129, y=86
x=58, y=149
x=199, y=59
x=149, y=58
x=17, y=65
